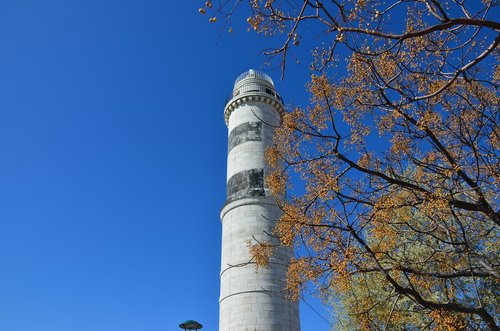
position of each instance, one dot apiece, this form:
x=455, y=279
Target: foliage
x=398, y=152
x=372, y=303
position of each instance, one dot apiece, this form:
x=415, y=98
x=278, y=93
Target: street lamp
x=190, y=325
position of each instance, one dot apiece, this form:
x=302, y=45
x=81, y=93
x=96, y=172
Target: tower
x=250, y=299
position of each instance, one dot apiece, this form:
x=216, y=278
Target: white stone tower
x=252, y=300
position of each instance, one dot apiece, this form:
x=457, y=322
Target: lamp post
x=190, y=325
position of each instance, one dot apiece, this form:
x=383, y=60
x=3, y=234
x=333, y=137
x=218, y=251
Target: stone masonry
x=250, y=299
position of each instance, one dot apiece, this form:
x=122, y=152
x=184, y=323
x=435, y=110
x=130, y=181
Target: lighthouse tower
x=250, y=299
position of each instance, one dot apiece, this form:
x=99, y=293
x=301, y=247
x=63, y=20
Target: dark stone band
x=251, y=131
x=248, y=183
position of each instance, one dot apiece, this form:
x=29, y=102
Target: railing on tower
x=252, y=87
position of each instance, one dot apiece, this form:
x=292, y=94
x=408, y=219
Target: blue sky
x=113, y=155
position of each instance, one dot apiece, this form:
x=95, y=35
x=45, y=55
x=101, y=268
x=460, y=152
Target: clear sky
x=112, y=162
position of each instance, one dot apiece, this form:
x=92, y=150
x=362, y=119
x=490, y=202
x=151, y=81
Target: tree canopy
x=397, y=153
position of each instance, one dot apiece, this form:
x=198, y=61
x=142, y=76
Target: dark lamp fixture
x=190, y=325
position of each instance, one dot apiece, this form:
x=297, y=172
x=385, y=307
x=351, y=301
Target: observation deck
x=251, y=86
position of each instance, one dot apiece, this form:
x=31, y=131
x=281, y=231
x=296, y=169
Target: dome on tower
x=253, y=74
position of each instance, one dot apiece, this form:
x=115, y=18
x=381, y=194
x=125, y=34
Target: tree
x=397, y=155
x=371, y=302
